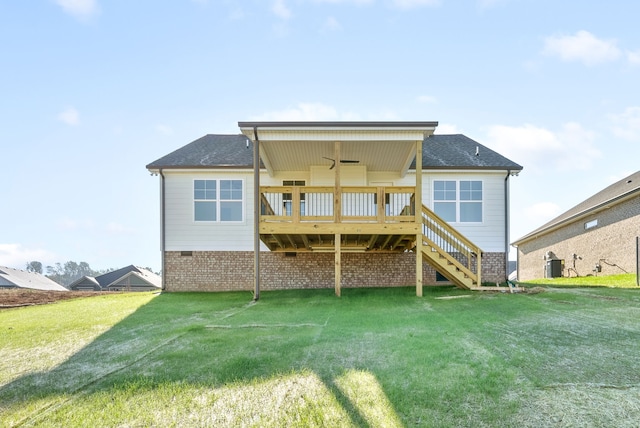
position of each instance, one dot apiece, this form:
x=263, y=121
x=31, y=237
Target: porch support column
x=256, y=215
x=337, y=217
x=418, y=219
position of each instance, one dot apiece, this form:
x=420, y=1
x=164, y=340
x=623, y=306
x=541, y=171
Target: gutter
x=162, y=229
x=506, y=225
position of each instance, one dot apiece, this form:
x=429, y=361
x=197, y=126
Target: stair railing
x=438, y=232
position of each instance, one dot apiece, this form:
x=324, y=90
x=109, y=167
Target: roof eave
x=582, y=214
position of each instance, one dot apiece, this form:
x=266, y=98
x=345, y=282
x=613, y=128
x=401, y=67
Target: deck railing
x=298, y=204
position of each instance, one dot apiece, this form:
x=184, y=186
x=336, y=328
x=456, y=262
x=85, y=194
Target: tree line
x=65, y=274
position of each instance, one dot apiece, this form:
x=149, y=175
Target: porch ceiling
x=296, y=146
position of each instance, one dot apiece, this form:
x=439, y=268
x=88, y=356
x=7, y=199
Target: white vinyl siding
x=490, y=233
x=182, y=233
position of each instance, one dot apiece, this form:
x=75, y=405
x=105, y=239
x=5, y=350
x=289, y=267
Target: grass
x=374, y=357
x=625, y=280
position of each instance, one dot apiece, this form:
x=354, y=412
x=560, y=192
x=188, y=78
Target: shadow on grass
x=208, y=345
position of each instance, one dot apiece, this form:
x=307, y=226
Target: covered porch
x=343, y=209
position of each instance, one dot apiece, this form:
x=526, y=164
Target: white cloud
x=305, y=112
x=583, y=47
x=70, y=116
x=541, y=212
x=427, y=99
x=81, y=9
x=69, y=224
x=633, y=57
x=119, y=229
x=447, y=129
x=571, y=148
x=17, y=257
x=487, y=4
x=345, y=1
x=410, y=4
x=164, y=129
x=627, y=125
x=332, y=24
x=280, y=9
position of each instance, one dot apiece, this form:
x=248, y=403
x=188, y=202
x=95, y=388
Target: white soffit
x=388, y=146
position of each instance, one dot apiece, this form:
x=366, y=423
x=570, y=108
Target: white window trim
x=458, y=200
x=218, y=200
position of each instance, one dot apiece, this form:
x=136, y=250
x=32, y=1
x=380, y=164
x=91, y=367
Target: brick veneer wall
x=613, y=240
x=233, y=270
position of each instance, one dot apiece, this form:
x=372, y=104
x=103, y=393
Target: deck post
x=256, y=215
x=337, y=190
x=337, y=217
x=338, y=264
x=418, y=219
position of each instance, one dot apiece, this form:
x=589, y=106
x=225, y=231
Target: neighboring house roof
x=117, y=276
x=84, y=281
x=144, y=275
x=16, y=278
x=620, y=191
x=231, y=151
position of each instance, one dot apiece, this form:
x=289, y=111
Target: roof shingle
x=439, y=152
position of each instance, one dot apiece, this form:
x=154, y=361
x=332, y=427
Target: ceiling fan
x=333, y=165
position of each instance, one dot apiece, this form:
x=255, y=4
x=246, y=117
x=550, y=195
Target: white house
x=341, y=204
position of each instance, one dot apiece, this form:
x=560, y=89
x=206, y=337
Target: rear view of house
x=333, y=204
x=597, y=236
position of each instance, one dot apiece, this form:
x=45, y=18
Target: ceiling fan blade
x=333, y=165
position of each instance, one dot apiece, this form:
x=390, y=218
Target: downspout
x=256, y=215
x=162, y=229
x=506, y=226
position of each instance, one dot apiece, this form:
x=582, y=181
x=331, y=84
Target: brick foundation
x=233, y=270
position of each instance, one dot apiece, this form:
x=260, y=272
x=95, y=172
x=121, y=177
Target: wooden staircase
x=450, y=253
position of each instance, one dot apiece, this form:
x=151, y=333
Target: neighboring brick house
x=596, y=237
x=319, y=223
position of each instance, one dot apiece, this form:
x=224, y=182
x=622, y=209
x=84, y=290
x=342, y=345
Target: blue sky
x=93, y=90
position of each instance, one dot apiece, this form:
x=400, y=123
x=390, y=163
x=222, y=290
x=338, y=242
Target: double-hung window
x=458, y=201
x=218, y=200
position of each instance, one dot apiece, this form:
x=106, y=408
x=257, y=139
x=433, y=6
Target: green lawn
x=374, y=357
x=624, y=280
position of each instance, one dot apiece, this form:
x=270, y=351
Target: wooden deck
x=350, y=219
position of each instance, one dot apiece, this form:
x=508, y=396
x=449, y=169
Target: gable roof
x=617, y=192
x=84, y=281
x=230, y=151
x=10, y=277
x=110, y=278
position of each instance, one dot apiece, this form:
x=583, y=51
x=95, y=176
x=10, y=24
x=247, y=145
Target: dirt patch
x=14, y=298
